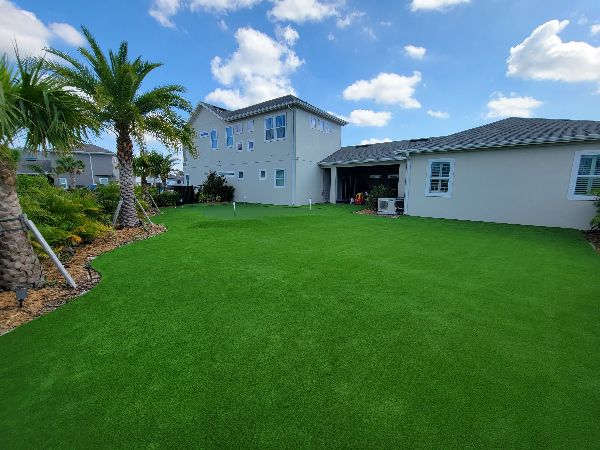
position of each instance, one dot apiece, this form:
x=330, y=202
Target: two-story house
x=269, y=151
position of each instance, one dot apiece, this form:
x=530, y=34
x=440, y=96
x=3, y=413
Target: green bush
x=379, y=191
x=216, y=189
x=65, y=218
x=165, y=198
x=595, y=223
x=108, y=196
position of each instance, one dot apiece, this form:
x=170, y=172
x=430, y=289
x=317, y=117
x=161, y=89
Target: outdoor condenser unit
x=386, y=206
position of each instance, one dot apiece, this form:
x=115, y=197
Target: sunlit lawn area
x=284, y=327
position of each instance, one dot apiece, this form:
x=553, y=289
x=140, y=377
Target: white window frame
x=226, y=173
x=248, y=142
x=238, y=174
x=215, y=140
x=275, y=178
x=274, y=119
x=448, y=194
x=313, y=122
x=103, y=180
x=260, y=177
x=63, y=182
x=574, y=175
x=250, y=126
x=238, y=128
x=240, y=146
x=230, y=127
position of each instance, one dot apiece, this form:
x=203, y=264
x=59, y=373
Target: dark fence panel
x=186, y=194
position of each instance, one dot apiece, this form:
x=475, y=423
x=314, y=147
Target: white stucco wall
x=266, y=155
x=520, y=185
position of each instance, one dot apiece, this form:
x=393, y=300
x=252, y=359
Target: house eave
x=363, y=162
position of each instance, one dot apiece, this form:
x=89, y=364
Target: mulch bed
x=56, y=292
x=372, y=212
x=594, y=238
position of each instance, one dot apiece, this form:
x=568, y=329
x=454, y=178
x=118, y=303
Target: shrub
x=65, y=218
x=165, y=198
x=216, y=189
x=595, y=223
x=378, y=191
x=108, y=196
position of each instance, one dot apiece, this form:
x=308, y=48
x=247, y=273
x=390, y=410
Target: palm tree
x=113, y=81
x=71, y=165
x=37, y=108
x=165, y=167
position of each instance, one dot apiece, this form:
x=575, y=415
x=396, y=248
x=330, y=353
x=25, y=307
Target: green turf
x=287, y=328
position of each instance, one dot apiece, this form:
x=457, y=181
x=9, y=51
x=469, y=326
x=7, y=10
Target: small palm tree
x=70, y=165
x=113, y=81
x=36, y=107
x=165, y=167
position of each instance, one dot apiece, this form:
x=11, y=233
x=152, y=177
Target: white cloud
x=29, y=33
x=544, y=56
x=349, y=19
x=386, y=88
x=415, y=52
x=368, y=118
x=330, y=36
x=164, y=10
x=301, y=11
x=370, y=33
x=287, y=34
x=435, y=5
x=374, y=141
x=513, y=106
x=438, y=114
x=258, y=70
x=386, y=24
x=595, y=29
x=222, y=25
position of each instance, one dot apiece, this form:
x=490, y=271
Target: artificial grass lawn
x=288, y=328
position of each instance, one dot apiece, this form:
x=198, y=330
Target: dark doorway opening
x=352, y=180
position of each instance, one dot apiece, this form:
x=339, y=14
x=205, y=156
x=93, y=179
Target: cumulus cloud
x=374, y=141
x=368, y=118
x=258, y=70
x=415, y=52
x=164, y=10
x=544, y=56
x=438, y=114
x=287, y=34
x=595, y=29
x=513, y=106
x=435, y=5
x=386, y=88
x=29, y=33
x=349, y=19
x=301, y=11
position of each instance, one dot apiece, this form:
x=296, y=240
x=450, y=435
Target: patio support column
x=333, y=186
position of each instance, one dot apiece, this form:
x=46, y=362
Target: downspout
x=91, y=166
x=293, y=177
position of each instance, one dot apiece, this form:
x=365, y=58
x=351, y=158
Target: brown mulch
x=56, y=292
x=594, y=238
x=372, y=212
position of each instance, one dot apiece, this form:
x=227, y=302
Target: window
x=238, y=128
x=240, y=175
x=585, y=175
x=214, y=142
x=269, y=129
x=250, y=146
x=240, y=146
x=250, y=126
x=439, y=177
x=262, y=174
x=280, y=126
x=30, y=158
x=321, y=125
x=102, y=180
x=62, y=182
x=313, y=122
x=229, y=136
x=279, y=178
x=328, y=128
x=275, y=128
x=227, y=174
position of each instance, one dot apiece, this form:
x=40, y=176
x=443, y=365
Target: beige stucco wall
x=521, y=185
x=266, y=155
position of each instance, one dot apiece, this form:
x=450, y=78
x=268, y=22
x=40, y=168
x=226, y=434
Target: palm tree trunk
x=19, y=265
x=72, y=175
x=128, y=217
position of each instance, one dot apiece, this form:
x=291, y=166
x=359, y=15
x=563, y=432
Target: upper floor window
x=275, y=127
x=250, y=126
x=585, y=176
x=250, y=146
x=240, y=146
x=238, y=128
x=439, y=177
x=313, y=122
x=321, y=125
x=214, y=141
x=229, y=136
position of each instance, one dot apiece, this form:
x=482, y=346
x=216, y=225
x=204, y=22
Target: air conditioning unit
x=386, y=206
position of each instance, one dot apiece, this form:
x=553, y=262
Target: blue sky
x=349, y=57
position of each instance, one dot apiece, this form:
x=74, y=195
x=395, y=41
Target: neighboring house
x=520, y=171
x=269, y=152
x=100, y=166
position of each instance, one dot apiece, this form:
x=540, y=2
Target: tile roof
x=264, y=107
x=91, y=148
x=504, y=133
